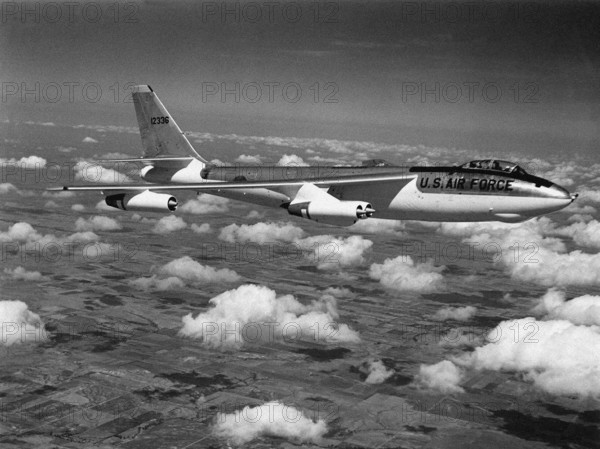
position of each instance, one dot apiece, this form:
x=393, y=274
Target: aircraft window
x=492, y=164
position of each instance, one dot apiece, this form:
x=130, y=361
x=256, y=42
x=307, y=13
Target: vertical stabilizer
x=161, y=137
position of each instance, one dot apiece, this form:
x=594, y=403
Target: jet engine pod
x=146, y=201
x=338, y=213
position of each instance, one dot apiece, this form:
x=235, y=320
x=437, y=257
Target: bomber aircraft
x=482, y=190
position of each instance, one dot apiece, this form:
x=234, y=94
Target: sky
x=491, y=77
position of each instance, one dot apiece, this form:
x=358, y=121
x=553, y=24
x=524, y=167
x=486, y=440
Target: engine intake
x=146, y=201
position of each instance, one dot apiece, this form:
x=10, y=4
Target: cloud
x=180, y=272
x=27, y=162
x=378, y=226
x=204, y=228
x=291, y=160
x=529, y=252
x=156, y=283
x=558, y=356
x=205, y=204
x=90, y=172
x=52, y=247
x=7, y=187
x=50, y=204
x=455, y=313
x=168, y=224
x=261, y=233
x=589, y=196
x=247, y=159
x=583, y=310
x=78, y=207
x=339, y=292
x=402, y=273
x=254, y=313
x=21, y=274
x=188, y=269
x=254, y=214
x=89, y=140
x=97, y=223
x=555, y=269
x=460, y=338
x=444, y=377
x=331, y=253
x=272, y=419
x=23, y=232
x=19, y=325
x=584, y=234
x=378, y=373
x=61, y=194
x=326, y=251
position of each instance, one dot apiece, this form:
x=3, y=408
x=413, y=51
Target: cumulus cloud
x=21, y=274
x=291, y=160
x=261, y=233
x=204, y=228
x=78, y=207
x=583, y=310
x=532, y=252
x=155, y=282
x=170, y=223
x=378, y=373
x=27, y=162
x=183, y=271
x=558, y=356
x=339, y=292
x=330, y=252
x=89, y=140
x=402, y=273
x=273, y=419
x=460, y=338
x=444, y=377
x=61, y=194
x=589, y=196
x=90, y=172
x=254, y=313
x=19, y=325
x=455, y=313
x=254, y=214
x=23, y=232
x=378, y=226
x=97, y=223
x=188, y=269
x=247, y=159
x=205, y=204
x=584, y=234
x=558, y=269
x=7, y=187
x=85, y=243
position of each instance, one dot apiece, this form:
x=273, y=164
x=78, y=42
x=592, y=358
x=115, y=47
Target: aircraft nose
x=558, y=192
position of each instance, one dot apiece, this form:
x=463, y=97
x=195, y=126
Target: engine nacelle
x=338, y=213
x=146, y=201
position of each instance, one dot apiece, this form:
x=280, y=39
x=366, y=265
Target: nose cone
x=558, y=192
x=558, y=196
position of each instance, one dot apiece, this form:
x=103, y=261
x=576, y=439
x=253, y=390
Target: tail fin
x=161, y=137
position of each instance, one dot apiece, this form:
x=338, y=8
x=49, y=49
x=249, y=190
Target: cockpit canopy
x=495, y=165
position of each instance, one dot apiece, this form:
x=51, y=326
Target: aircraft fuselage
x=425, y=193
